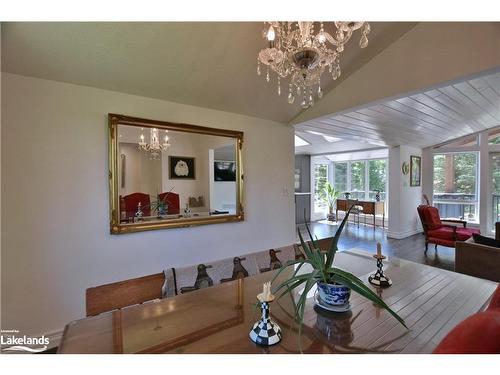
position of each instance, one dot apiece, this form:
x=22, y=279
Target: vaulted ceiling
x=422, y=119
x=415, y=83
x=206, y=64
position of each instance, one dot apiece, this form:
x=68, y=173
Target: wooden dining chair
x=124, y=293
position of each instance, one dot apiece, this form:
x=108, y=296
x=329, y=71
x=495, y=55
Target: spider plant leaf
x=310, y=254
x=315, y=244
x=305, y=246
x=292, y=280
x=335, y=240
x=287, y=285
x=290, y=288
x=288, y=264
x=302, y=304
x=310, y=281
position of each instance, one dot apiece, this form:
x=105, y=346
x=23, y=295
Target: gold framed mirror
x=169, y=175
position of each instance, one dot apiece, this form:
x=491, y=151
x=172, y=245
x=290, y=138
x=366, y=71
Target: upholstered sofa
x=478, y=260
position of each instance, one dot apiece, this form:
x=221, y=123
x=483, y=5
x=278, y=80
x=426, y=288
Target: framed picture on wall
x=415, y=170
x=181, y=168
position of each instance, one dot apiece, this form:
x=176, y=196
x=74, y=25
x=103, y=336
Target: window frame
x=366, y=162
x=483, y=171
x=476, y=202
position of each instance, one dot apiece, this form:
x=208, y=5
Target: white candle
x=266, y=290
x=379, y=249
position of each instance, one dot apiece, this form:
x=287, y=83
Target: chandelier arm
x=298, y=51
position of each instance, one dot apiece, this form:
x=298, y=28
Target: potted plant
x=334, y=284
x=330, y=195
x=160, y=206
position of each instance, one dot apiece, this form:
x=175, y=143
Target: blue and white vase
x=334, y=294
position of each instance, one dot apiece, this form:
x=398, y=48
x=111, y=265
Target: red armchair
x=442, y=234
x=478, y=334
x=128, y=205
x=172, y=201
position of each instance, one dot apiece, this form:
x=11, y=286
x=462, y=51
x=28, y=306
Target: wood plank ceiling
x=422, y=119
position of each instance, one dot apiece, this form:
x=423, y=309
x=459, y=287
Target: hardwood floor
x=410, y=248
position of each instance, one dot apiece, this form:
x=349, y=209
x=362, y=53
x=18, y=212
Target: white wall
x=190, y=145
x=55, y=223
x=403, y=198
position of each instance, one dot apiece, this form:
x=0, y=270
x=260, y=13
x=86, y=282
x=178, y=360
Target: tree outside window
x=377, y=178
x=495, y=186
x=455, y=184
x=341, y=177
x=358, y=180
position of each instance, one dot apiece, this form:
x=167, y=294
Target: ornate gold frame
x=114, y=212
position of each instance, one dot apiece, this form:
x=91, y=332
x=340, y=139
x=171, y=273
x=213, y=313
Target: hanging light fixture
x=296, y=51
x=154, y=147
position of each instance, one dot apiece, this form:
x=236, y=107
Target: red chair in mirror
x=172, y=201
x=129, y=204
x=438, y=233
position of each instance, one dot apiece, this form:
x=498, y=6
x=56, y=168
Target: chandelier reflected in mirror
x=154, y=147
x=298, y=52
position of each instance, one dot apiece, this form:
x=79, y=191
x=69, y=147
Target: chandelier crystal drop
x=299, y=52
x=154, y=147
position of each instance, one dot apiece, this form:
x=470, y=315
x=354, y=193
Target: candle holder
x=265, y=332
x=379, y=278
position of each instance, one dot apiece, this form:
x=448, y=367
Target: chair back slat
x=123, y=293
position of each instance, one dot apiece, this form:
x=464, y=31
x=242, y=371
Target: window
x=377, y=178
x=340, y=180
x=455, y=185
x=358, y=180
x=362, y=178
x=495, y=186
x=320, y=179
x=494, y=137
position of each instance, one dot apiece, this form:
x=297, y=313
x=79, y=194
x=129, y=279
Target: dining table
x=218, y=319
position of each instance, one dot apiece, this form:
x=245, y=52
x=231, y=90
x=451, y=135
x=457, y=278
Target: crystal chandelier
x=297, y=51
x=154, y=147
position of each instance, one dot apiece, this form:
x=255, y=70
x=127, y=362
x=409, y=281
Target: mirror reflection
x=165, y=175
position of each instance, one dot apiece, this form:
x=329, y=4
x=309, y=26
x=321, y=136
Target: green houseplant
x=323, y=272
x=160, y=206
x=329, y=195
